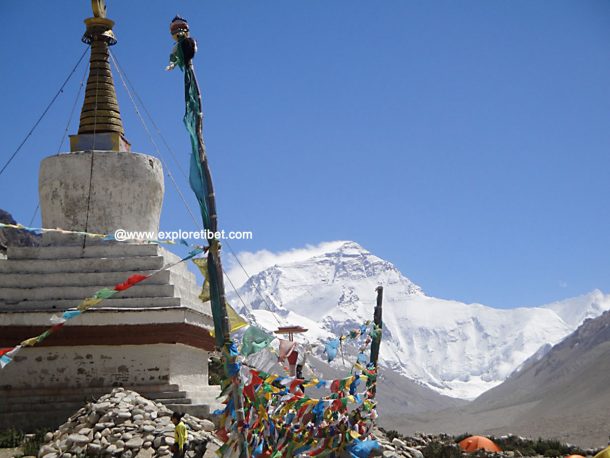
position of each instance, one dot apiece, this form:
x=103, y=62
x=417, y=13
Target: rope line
x=159, y=154
x=124, y=80
x=80, y=88
x=152, y=121
x=150, y=137
x=60, y=91
x=63, y=138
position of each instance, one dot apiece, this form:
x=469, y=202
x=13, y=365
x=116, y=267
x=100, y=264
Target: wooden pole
x=378, y=325
x=215, y=262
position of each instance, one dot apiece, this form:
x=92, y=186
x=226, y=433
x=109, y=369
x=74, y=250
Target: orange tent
x=575, y=456
x=474, y=443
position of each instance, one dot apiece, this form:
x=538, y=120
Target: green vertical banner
x=197, y=179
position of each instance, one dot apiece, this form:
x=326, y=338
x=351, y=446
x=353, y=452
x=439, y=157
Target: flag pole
x=201, y=183
x=376, y=343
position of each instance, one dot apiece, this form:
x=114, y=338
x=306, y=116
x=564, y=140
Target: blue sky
x=466, y=142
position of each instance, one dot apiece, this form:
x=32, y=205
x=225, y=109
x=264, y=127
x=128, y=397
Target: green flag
x=255, y=340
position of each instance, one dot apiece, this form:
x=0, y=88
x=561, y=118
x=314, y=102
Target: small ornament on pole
x=289, y=351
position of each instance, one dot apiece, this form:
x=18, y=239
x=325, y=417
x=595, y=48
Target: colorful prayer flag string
x=282, y=421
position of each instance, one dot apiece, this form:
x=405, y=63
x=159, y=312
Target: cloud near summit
x=255, y=262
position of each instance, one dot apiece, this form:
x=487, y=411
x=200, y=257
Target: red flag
x=334, y=387
x=136, y=278
x=57, y=327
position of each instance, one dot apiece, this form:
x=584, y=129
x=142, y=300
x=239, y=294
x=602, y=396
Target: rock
x=127, y=436
x=48, y=437
x=136, y=442
x=50, y=455
x=414, y=452
x=148, y=428
x=45, y=450
x=145, y=453
x=157, y=442
x=120, y=444
x=207, y=425
x=78, y=439
x=84, y=431
x=111, y=449
x=124, y=414
x=101, y=407
x=169, y=440
x=93, y=449
x=398, y=443
x=104, y=425
x=127, y=454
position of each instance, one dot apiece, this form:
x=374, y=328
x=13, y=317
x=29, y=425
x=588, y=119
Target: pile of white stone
x=127, y=425
x=397, y=447
x=124, y=424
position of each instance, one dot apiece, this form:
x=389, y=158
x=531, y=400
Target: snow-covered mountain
x=457, y=349
x=564, y=395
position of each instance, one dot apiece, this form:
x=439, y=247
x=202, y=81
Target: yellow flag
x=29, y=342
x=235, y=321
x=202, y=264
x=88, y=303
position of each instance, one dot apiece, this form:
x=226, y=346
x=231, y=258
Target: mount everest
x=457, y=349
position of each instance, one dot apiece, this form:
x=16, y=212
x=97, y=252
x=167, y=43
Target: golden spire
x=100, y=125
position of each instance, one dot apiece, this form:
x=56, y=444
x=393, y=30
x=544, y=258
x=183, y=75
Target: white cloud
x=255, y=262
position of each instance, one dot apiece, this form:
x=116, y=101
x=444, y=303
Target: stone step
x=101, y=279
x=62, y=305
x=16, y=295
x=35, y=407
x=197, y=410
x=80, y=398
x=174, y=401
x=207, y=395
x=46, y=266
x=109, y=250
x=29, y=413
x=45, y=419
x=144, y=390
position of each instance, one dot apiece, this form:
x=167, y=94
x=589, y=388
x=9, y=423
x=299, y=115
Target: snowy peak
x=341, y=272
x=457, y=349
x=575, y=310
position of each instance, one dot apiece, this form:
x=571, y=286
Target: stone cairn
x=410, y=447
x=127, y=425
